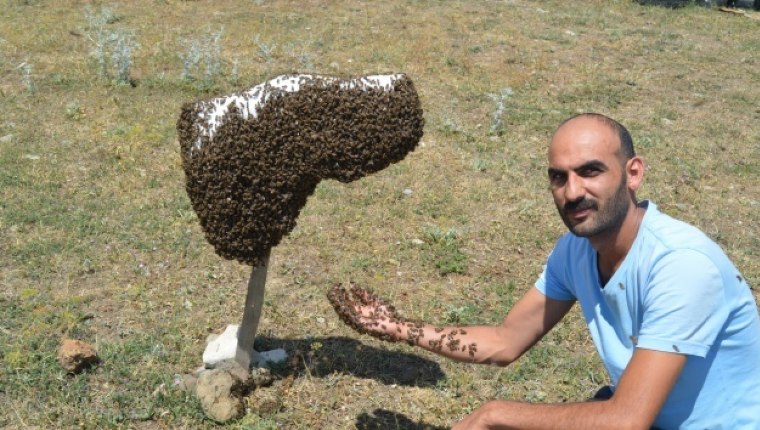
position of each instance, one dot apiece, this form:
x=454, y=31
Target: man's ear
x=635, y=170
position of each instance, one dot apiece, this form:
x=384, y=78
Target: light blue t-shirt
x=675, y=291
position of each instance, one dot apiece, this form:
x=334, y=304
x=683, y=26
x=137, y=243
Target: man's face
x=587, y=177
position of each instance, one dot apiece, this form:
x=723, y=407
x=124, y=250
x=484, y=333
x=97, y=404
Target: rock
x=274, y=356
x=261, y=377
x=221, y=347
x=235, y=369
x=75, y=355
x=220, y=394
x=185, y=382
x=265, y=402
x=6, y=139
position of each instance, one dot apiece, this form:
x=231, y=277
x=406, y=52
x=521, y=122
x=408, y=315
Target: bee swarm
x=252, y=159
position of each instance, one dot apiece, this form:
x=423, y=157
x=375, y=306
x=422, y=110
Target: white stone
x=274, y=356
x=224, y=346
x=221, y=348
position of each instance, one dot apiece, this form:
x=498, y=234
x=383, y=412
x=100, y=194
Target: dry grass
x=98, y=240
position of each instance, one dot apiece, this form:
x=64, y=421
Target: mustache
x=580, y=205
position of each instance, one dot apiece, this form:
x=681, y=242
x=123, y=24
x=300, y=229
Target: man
x=672, y=319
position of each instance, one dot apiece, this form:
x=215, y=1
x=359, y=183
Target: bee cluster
x=348, y=305
x=251, y=160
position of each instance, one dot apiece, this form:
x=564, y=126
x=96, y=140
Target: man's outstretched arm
x=643, y=389
x=525, y=324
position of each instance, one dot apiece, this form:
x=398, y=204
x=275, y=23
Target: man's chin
x=580, y=230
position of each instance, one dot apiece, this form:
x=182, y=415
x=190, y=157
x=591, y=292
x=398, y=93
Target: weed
x=264, y=50
x=465, y=314
x=444, y=250
x=497, y=127
x=235, y=71
x=26, y=77
x=202, y=58
x=304, y=59
x=121, y=56
x=105, y=16
x=480, y=165
x=450, y=126
x=74, y=110
x=112, y=49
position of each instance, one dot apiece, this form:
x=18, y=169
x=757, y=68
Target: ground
x=98, y=240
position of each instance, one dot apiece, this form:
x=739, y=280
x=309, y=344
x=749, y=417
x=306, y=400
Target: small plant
x=26, y=77
x=74, y=111
x=449, y=126
x=190, y=59
x=480, y=165
x=264, y=50
x=497, y=127
x=203, y=54
x=299, y=53
x=111, y=48
x=443, y=250
x=235, y=71
x=106, y=16
x=461, y=314
x=121, y=57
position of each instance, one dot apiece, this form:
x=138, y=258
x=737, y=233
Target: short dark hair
x=626, y=141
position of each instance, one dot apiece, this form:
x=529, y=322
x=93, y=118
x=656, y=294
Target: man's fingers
x=363, y=311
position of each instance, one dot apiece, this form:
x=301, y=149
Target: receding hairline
x=625, y=148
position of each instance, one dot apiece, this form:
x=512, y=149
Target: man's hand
x=366, y=313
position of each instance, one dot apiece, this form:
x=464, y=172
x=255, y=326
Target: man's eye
x=587, y=173
x=556, y=179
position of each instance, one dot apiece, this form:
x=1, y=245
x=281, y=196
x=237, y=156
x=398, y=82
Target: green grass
x=98, y=240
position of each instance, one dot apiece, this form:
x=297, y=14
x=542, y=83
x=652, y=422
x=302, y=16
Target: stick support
x=254, y=299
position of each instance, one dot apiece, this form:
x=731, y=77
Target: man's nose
x=574, y=189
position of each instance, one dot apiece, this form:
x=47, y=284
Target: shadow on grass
x=382, y=419
x=325, y=355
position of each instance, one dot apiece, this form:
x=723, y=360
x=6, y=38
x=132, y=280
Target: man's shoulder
x=674, y=234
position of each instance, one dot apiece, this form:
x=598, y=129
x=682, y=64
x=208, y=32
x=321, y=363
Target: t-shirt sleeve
x=551, y=282
x=684, y=305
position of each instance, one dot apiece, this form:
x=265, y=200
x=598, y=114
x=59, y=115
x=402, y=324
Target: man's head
x=593, y=174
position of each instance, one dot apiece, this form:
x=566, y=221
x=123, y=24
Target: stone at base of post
x=225, y=347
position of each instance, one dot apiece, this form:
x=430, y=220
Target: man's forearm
x=501, y=414
x=471, y=344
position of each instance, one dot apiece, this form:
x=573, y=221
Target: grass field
x=98, y=240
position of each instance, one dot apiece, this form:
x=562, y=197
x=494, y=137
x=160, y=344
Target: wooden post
x=254, y=300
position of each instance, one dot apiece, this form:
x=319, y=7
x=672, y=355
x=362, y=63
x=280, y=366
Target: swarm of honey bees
x=365, y=312
x=250, y=166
